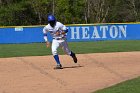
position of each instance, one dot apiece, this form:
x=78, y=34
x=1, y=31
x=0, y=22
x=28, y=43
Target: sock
x=56, y=57
x=72, y=54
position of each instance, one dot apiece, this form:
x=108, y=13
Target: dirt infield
x=92, y=72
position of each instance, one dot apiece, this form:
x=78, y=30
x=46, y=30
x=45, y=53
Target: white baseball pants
x=60, y=43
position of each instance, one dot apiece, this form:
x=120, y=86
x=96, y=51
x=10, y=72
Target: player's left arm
x=64, y=29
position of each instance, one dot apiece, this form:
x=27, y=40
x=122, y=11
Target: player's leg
x=55, y=46
x=66, y=49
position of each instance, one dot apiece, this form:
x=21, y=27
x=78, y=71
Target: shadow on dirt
x=73, y=67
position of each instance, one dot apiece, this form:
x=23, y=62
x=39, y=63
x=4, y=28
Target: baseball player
x=58, y=32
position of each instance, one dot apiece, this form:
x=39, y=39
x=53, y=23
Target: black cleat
x=74, y=58
x=58, y=66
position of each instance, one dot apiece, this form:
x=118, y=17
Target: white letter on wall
x=122, y=30
x=95, y=33
x=104, y=29
x=85, y=33
x=73, y=33
x=113, y=29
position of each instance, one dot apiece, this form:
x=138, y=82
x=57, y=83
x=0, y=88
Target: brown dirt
x=92, y=72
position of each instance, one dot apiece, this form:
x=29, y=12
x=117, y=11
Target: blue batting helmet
x=51, y=18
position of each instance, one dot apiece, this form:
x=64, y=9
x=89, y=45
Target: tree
x=34, y=12
x=97, y=10
x=40, y=8
x=123, y=11
x=70, y=11
x=137, y=5
x=8, y=13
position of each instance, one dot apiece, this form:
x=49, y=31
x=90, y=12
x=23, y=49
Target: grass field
x=39, y=49
x=130, y=86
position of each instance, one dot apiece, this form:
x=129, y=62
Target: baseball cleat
x=74, y=58
x=58, y=66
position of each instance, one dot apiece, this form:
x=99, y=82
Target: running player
x=58, y=32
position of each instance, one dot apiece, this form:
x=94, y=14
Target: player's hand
x=48, y=44
x=57, y=33
x=63, y=32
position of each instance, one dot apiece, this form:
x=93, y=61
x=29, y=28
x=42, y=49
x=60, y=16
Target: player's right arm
x=45, y=31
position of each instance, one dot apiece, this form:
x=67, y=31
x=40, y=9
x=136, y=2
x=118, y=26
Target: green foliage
x=15, y=14
x=70, y=11
x=40, y=8
x=8, y=14
x=34, y=12
x=123, y=11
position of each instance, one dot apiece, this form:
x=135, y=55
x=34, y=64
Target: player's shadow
x=72, y=67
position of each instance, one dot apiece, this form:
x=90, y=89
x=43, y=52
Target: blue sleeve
x=45, y=34
x=66, y=30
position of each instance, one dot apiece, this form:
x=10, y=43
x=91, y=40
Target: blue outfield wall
x=76, y=33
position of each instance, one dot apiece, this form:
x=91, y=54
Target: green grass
x=130, y=86
x=39, y=49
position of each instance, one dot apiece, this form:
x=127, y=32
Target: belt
x=59, y=38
